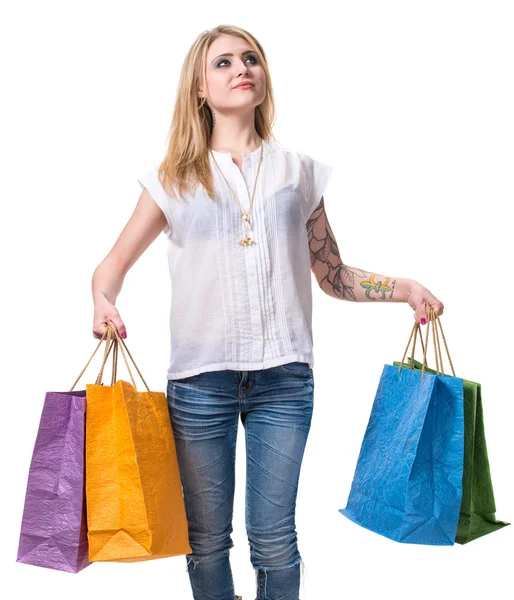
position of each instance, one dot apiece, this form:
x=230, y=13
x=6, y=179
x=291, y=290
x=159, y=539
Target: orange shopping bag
x=134, y=501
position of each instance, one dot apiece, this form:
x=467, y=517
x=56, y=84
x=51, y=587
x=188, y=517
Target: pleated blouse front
x=241, y=307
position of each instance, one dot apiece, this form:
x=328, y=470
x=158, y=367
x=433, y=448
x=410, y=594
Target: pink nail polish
x=423, y=321
x=124, y=335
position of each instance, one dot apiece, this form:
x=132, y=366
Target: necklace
x=247, y=240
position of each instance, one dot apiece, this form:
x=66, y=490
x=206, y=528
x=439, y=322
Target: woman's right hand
x=107, y=314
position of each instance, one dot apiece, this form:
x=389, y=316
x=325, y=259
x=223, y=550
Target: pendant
x=246, y=241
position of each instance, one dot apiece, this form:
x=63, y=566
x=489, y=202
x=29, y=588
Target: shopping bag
x=407, y=484
x=478, y=508
x=53, y=529
x=135, y=505
x=54, y=523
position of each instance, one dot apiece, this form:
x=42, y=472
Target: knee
x=196, y=559
x=208, y=546
x=274, y=550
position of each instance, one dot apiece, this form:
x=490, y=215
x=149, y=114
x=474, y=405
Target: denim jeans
x=276, y=407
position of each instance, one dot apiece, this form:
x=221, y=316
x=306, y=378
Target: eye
x=254, y=59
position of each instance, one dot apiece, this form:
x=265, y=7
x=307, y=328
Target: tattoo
x=333, y=276
x=376, y=286
x=346, y=276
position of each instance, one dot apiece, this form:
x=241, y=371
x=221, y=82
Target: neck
x=231, y=134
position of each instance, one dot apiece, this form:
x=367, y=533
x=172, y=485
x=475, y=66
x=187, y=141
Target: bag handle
x=436, y=321
x=106, y=355
x=123, y=347
x=113, y=332
x=113, y=345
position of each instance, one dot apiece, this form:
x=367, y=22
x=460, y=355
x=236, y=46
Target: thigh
x=204, y=417
x=279, y=410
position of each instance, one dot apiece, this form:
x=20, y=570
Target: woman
x=246, y=223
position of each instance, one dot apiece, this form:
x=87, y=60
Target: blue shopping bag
x=407, y=484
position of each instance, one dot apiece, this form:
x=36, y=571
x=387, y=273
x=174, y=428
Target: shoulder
x=292, y=159
x=286, y=152
x=150, y=173
x=306, y=161
x=154, y=180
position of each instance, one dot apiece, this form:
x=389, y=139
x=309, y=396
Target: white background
x=411, y=102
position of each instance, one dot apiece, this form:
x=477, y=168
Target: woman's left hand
x=420, y=299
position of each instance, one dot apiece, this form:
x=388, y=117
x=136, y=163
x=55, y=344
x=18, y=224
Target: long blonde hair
x=186, y=162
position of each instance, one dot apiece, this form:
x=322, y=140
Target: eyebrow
x=230, y=54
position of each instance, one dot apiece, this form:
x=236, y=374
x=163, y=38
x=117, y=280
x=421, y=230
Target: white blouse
x=242, y=307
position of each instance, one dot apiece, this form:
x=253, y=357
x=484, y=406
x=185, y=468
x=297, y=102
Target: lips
x=244, y=83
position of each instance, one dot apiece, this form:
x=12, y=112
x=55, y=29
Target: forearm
x=342, y=281
x=350, y=283
x=107, y=281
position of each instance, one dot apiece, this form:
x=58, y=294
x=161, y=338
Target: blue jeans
x=276, y=407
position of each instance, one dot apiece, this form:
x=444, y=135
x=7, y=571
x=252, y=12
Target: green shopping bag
x=477, y=511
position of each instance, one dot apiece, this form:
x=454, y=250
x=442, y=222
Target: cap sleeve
x=150, y=180
x=318, y=175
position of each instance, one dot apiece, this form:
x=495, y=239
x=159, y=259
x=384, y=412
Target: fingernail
x=423, y=321
x=124, y=335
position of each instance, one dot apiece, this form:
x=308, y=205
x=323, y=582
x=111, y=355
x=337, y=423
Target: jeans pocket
x=298, y=368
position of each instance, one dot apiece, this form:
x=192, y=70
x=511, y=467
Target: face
x=224, y=72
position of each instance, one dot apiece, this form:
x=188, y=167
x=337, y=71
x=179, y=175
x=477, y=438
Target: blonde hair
x=187, y=157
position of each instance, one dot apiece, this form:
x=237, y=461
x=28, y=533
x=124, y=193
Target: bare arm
x=342, y=281
x=143, y=227
x=145, y=224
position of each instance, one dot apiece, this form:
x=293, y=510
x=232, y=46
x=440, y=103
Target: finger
x=437, y=306
x=420, y=314
x=118, y=324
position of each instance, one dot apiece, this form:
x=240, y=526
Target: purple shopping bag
x=54, y=524
x=54, y=527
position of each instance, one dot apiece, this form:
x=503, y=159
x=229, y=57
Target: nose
x=244, y=68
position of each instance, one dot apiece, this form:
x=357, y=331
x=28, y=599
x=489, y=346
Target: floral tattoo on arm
x=334, y=277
